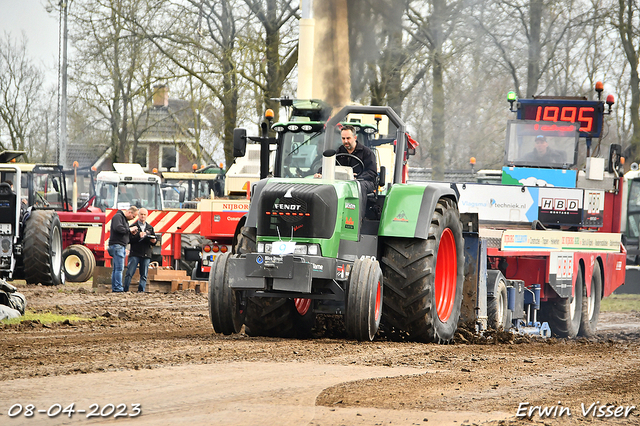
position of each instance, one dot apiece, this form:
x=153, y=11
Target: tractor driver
x=543, y=154
x=350, y=145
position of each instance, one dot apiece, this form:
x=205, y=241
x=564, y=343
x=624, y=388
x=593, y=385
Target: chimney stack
x=160, y=96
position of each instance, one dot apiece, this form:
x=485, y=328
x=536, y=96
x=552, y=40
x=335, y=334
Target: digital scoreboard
x=553, y=113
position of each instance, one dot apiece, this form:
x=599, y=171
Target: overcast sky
x=40, y=27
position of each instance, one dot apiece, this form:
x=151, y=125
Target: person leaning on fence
x=141, y=248
x=118, y=240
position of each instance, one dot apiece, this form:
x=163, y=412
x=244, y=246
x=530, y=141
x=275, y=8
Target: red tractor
x=43, y=187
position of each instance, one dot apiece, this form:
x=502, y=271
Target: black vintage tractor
x=30, y=236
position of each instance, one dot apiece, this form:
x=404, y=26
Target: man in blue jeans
x=118, y=240
x=141, y=249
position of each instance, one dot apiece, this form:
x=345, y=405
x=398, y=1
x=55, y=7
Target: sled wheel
x=364, y=300
x=423, y=279
x=564, y=314
x=591, y=304
x=79, y=263
x=497, y=309
x=225, y=309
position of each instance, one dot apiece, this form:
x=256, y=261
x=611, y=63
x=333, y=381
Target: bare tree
x=21, y=96
x=109, y=70
x=278, y=45
x=432, y=25
x=200, y=37
x=627, y=22
x=383, y=62
x=528, y=36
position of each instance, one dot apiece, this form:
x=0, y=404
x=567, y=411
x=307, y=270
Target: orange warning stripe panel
x=165, y=223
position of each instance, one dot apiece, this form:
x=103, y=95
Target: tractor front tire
x=79, y=263
x=565, y=314
x=591, y=304
x=364, y=300
x=42, y=249
x=225, y=310
x=423, y=279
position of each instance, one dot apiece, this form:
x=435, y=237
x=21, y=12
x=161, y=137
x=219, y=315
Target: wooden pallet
x=170, y=286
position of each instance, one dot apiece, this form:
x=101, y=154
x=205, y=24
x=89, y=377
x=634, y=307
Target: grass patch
x=43, y=318
x=621, y=303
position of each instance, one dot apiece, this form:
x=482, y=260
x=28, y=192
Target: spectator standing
x=118, y=240
x=141, y=249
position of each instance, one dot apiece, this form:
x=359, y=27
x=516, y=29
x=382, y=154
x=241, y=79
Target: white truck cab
x=128, y=186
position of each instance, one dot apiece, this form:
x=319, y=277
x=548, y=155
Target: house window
x=168, y=158
x=140, y=155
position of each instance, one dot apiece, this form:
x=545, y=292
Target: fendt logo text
x=291, y=207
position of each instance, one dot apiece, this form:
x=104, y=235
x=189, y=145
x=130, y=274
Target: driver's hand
x=317, y=175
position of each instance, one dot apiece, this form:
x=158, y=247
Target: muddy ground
x=502, y=373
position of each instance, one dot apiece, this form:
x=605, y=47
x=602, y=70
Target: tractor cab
x=541, y=155
x=184, y=190
x=128, y=186
x=529, y=144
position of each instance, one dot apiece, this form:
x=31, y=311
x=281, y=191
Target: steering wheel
x=44, y=200
x=344, y=154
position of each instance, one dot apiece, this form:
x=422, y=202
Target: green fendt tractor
x=320, y=246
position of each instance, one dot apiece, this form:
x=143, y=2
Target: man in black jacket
x=141, y=249
x=118, y=240
x=351, y=148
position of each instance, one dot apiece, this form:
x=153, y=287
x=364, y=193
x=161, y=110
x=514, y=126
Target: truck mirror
x=411, y=151
x=183, y=195
x=55, y=185
x=239, y=142
x=382, y=175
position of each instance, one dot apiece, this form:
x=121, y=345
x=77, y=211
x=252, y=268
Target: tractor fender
x=408, y=208
x=252, y=216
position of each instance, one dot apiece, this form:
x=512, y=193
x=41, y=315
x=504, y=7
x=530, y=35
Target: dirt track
x=154, y=331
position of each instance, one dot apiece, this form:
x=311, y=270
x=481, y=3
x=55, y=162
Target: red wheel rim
x=302, y=305
x=446, y=275
x=378, y=309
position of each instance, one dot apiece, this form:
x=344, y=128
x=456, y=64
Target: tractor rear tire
x=591, y=305
x=497, y=308
x=423, y=279
x=190, y=240
x=42, y=249
x=246, y=240
x=225, y=308
x=278, y=317
x=364, y=300
x=79, y=263
x=565, y=314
